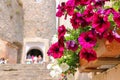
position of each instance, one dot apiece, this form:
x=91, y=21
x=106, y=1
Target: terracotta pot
x=108, y=49
x=104, y=49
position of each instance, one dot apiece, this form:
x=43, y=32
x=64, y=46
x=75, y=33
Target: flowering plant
x=91, y=20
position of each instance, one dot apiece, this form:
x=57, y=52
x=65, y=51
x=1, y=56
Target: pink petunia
x=87, y=39
x=100, y=23
x=88, y=13
x=61, y=9
x=71, y=45
x=109, y=36
x=99, y=3
x=61, y=41
x=78, y=20
x=117, y=18
x=82, y=2
x=75, y=20
x=116, y=35
x=88, y=54
x=55, y=50
x=70, y=5
x=61, y=31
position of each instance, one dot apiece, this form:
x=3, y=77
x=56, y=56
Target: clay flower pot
x=104, y=50
x=108, y=49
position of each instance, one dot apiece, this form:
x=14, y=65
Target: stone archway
x=35, y=43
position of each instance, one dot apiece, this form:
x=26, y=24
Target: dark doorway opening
x=35, y=52
x=34, y=56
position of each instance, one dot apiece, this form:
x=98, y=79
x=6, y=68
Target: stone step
x=25, y=72
x=13, y=67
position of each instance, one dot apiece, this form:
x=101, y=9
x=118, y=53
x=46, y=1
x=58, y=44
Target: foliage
x=91, y=20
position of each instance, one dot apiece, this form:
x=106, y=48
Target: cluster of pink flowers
x=93, y=15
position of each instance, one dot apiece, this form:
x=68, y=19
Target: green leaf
x=110, y=17
x=116, y=5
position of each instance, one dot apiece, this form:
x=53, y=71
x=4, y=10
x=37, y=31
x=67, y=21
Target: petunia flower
x=55, y=51
x=88, y=13
x=100, y=23
x=61, y=41
x=75, y=20
x=70, y=77
x=61, y=31
x=117, y=18
x=99, y=3
x=70, y=5
x=71, y=45
x=108, y=11
x=82, y=2
x=61, y=9
x=109, y=36
x=78, y=20
x=87, y=39
x=64, y=67
x=116, y=35
x=56, y=71
x=88, y=54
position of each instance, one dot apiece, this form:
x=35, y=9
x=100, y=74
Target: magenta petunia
x=75, y=20
x=61, y=41
x=108, y=11
x=78, y=20
x=61, y=9
x=99, y=3
x=109, y=36
x=61, y=31
x=88, y=54
x=88, y=13
x=87, y=39
x=116, y=35
x=82, y=2
x=55, y=50
x=71, y=45
x=100, y=22
x=70, y=5
x=117, y=19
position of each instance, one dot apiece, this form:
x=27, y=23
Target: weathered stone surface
x=25, y=72
x=39, y=18
x=11, y=23
x=20, y=20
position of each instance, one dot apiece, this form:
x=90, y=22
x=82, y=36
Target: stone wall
x=39, y=18
x=8, y=51
x=11, y=21
x=25, y=72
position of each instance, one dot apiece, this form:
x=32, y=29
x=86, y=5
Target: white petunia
x=52, y=59
x=57, y=68
x=70, y=77
x=56, y=71
x=52, y=73
x=64, y=67
x=49, y=66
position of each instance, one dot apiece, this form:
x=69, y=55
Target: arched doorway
x=34, y=56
